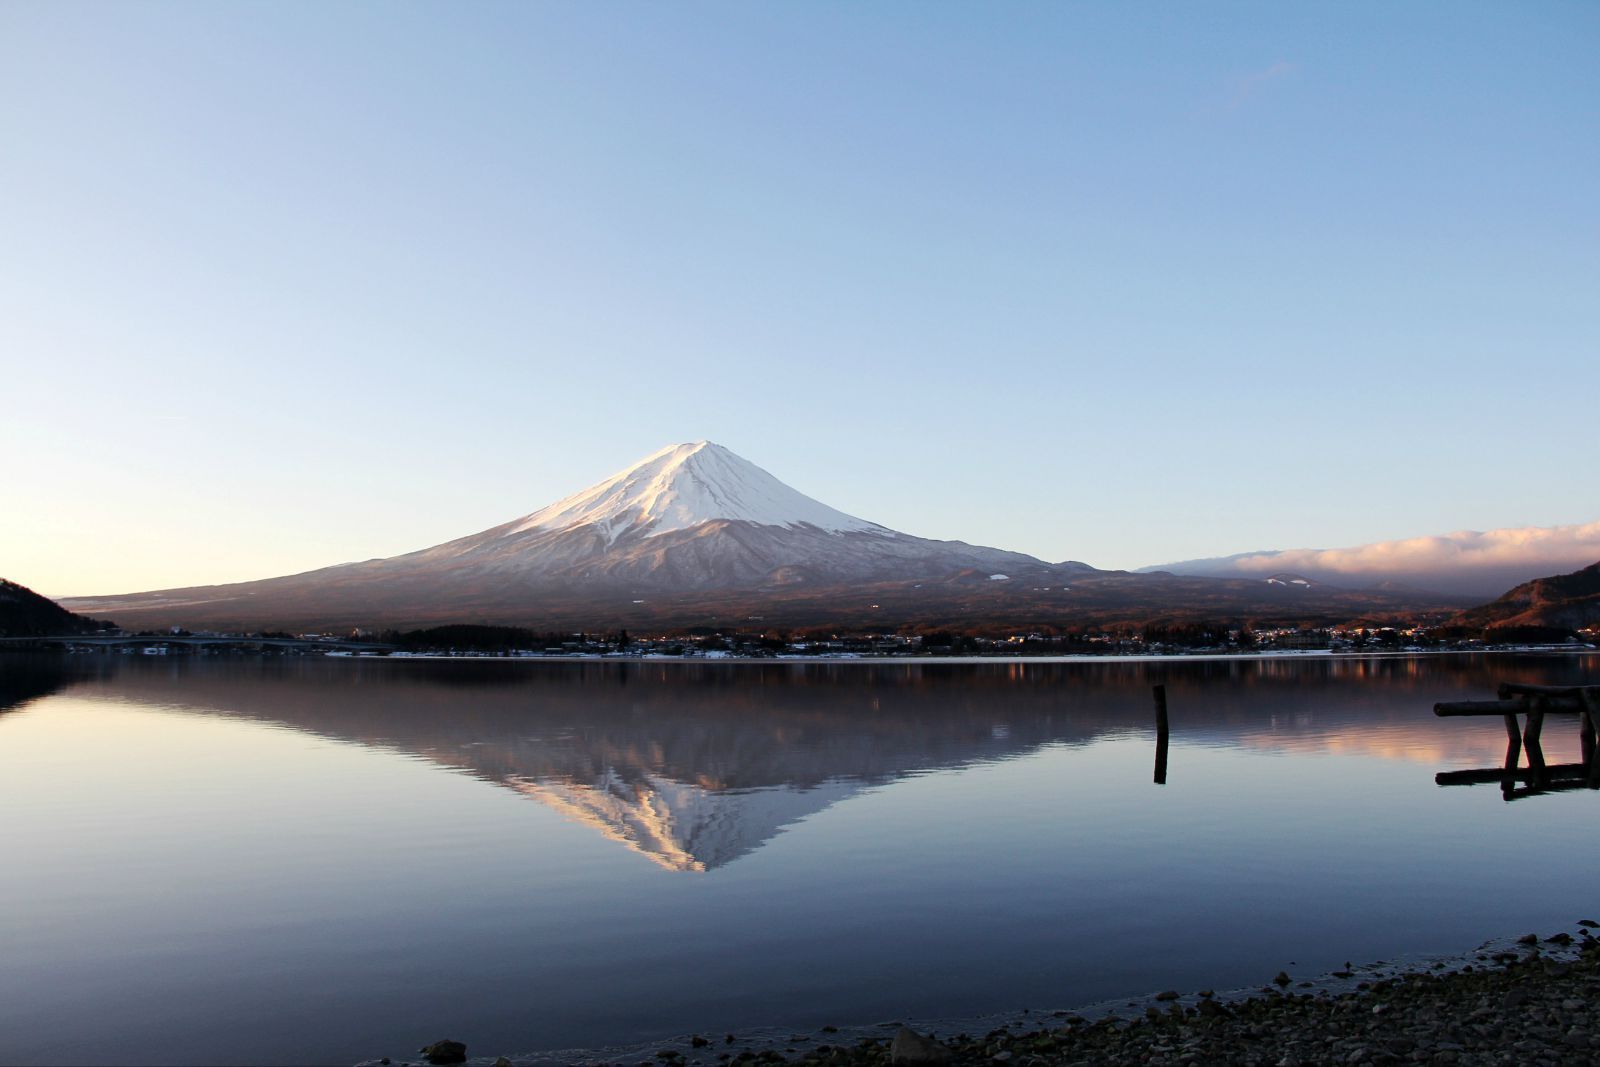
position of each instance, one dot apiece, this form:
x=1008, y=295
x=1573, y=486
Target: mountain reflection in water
x=694, y=765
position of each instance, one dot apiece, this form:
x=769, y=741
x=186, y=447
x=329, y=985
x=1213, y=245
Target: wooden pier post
x=1161, y=734
x=1535, y=727
x=1508, y=779
x=1591, y=719
x=1535, y=702
x=1538, y=773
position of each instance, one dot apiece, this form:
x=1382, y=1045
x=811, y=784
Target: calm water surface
x=315, y=861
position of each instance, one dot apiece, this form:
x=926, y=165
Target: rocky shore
x=1532, y=1001
x=1532, y=1008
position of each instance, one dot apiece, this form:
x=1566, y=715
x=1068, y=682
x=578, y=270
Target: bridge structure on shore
x=193, y=642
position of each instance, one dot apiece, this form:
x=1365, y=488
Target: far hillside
x=1560, y=604
x=24, y=613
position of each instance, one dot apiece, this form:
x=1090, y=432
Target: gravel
x=1536, y=1005
x=1533, y=1009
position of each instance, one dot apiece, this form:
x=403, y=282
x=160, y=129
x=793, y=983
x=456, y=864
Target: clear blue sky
x=289, y=284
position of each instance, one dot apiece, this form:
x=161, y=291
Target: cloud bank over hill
x=1468, y=562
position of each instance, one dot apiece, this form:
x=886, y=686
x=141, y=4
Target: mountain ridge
x=24, y=613
x=694, y=535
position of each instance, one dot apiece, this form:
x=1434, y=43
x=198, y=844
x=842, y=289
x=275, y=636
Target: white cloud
x=1555, y=548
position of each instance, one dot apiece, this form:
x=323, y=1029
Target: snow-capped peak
x=685, y=485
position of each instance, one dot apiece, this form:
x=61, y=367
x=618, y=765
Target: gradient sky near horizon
x=286, y=285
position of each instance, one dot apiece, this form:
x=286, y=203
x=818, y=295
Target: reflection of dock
x=1533, y=703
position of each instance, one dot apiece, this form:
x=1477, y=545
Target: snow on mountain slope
x=693, y=517
x=685, y=485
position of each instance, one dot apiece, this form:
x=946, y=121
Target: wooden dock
x=1532, y=703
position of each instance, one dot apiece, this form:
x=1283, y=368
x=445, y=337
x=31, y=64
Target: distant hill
x=24, y=613
x=1564, y=602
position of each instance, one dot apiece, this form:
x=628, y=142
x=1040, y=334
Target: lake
x=288, y=860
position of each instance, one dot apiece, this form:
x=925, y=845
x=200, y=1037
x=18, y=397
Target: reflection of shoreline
x=26, y=677
x=690, y=770
x=1109, y=657
x=693, y=766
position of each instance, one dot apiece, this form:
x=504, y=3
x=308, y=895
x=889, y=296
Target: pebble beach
x=1527, y=1000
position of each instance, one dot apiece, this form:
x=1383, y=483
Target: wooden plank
x=1453, y=708
x=1473, y=777
x=1536, y=790
x=1556, y=772
x=1478, y=707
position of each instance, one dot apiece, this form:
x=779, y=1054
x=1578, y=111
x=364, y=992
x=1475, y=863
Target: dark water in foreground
x=314, y=861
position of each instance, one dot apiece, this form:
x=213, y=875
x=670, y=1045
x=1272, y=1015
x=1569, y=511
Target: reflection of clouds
x=1415, y=746
x=1453, y=742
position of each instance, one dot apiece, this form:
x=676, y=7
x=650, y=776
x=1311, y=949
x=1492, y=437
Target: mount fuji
x=698, y=517
x=660, y=541
x=695, y=535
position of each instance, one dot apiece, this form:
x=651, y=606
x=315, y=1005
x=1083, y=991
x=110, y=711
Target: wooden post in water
x=1530, y=733
x=1508, y=784
x=1535, y=702
x=1538, y=772
x=1161, y=734
x=1591, y=713
x=1508, y=780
